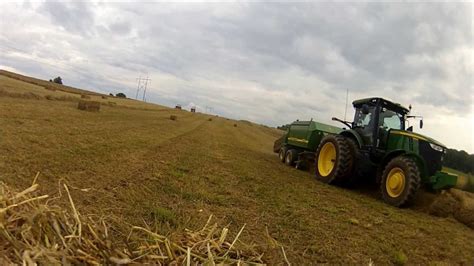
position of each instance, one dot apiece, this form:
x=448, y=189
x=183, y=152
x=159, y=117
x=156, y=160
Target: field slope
x=137, y=166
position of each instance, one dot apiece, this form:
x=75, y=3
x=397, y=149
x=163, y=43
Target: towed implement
x=375, y=144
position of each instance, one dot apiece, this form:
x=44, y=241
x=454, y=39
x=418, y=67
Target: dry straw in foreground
x=36, y=230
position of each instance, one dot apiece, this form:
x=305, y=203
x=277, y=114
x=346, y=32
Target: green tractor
x=376, y=144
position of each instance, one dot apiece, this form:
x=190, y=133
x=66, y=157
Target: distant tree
x=111, y=94
x=50, y=80
x=459, y=160
x=284, y=127
x=121, y=95
x=58, y=80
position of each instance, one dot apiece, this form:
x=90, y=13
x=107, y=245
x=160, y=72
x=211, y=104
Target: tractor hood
x=418, y=136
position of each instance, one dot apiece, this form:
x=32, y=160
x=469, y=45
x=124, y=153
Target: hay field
x=131, y=165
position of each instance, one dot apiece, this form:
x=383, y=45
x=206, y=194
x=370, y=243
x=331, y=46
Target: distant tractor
x=377, y=145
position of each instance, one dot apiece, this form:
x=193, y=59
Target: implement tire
x=291, y=156
x=400, y=181
x=334, y=160
x=277, y=145
x=282, y=154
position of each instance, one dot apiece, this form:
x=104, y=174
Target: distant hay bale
x=456, y=203
x=235, y=125
x=104, y=97
x=210, y=119
x=173, y=117
x=83, y=96
x=90, y=106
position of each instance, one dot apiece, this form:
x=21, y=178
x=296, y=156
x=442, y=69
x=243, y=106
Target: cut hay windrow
x=91, y=106
x=35, y=229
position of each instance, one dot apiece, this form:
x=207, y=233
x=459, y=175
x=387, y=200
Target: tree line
x=459, y=160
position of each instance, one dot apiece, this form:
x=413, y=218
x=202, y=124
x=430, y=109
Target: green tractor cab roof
x=385, y=103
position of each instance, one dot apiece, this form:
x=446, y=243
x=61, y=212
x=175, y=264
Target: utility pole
x=142, y=84
x=138, y=86
x=144, y=91
x=209, y=109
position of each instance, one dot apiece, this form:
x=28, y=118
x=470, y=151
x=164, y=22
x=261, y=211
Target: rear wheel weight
x=334, y=160
x=400, y=181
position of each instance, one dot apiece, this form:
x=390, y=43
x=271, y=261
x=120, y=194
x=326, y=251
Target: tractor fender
x=353, y=135
x=395, y=153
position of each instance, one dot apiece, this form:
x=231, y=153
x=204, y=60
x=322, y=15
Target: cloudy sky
x=270, y=63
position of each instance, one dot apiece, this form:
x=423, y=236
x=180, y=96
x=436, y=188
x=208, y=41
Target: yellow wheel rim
x=326, y=159
x=395, y=183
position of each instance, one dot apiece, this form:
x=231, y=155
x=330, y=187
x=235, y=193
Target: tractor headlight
x=436, y=147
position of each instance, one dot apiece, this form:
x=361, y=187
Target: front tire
x=400, y=181
x=334, y=160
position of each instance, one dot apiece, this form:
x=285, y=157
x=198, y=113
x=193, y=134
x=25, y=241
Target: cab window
x=389, y=119
x=363, y=120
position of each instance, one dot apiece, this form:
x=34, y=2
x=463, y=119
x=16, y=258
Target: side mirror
x=421, y=123
x=410, y=128
x=365, y=109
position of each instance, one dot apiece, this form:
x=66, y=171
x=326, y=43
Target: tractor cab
x=373, y=119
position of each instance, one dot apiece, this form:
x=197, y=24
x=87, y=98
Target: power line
x=144, y=91
x=142, y=83
x=209, y=109
x=138, y=86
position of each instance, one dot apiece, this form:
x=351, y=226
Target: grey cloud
x=269, y=62
x=75, y=17
x=121, y=28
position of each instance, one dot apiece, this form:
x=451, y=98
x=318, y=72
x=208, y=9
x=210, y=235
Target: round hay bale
x=235, y=125
x=210, y=119
x=104, y=97
x=90, y=106
x=83, y=96
x=173, y=117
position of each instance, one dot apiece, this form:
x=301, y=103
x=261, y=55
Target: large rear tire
x=400, y=181
x=334, y=160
